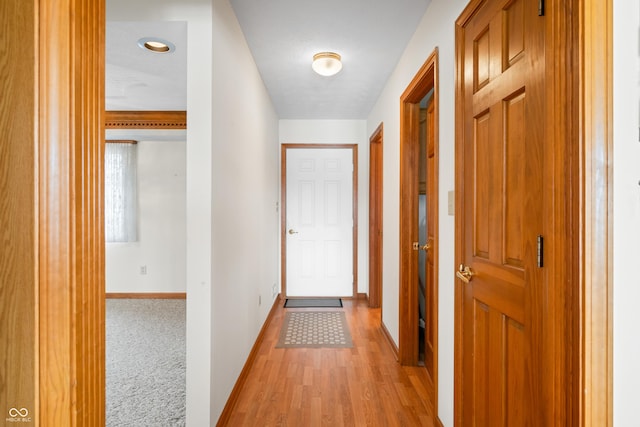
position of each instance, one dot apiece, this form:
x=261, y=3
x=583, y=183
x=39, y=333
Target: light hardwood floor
x=359, y=386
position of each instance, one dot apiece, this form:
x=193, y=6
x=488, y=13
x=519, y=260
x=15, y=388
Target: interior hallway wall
x=161, y=244
x=341, y=132
x=245, y=199
x=198, y=15
x=436, y=30
x=626, y=210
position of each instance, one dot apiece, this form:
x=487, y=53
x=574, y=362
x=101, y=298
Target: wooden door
x=375, y=218
x=431, y=292
x=502, y=204
x=319, y=222
x=413, y=201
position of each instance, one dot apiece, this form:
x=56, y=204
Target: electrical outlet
x=143, y=269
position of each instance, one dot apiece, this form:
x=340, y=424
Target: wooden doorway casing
x=577, y=351
x=375, y=217
x=52, y=336
x=408, y=349
x=283, y=210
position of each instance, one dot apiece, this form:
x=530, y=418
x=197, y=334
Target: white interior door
x=319, y=213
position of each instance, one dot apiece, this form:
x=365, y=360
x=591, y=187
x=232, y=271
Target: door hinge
x=540, y=7
x=540, y=251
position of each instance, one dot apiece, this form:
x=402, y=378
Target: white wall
x=245, y=195
x=626, y=212
x=198, y=15
x=161, y=245
x=232, y=191
x=341, y=132
x=435, y=30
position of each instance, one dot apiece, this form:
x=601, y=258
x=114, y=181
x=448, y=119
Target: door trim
x=376, y=198
x=283, y=209
x=70, y=164
x=424, y=80
x=579, y=110
x=596, y=194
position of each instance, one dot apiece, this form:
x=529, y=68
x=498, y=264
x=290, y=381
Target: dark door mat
x=313, y=302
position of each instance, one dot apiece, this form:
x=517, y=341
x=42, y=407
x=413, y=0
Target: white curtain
x=121, y=198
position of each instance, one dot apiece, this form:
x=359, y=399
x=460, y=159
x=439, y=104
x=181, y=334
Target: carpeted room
x=145, y=264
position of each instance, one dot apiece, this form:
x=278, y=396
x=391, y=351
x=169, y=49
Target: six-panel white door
x=319, y=213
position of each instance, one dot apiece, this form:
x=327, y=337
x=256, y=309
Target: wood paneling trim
x=389, y=339
x=70, y=193
x=146, y=120
x=354, y=238
x=376, y=198
x=121, y=141
x=18, y=211
x=362, y=296
x=560, y=387
x=458, y=403
x=225, y=416
x=146, y=295
x=597, y=197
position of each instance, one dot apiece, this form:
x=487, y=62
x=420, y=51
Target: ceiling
x=138, y=79
x=283, y=36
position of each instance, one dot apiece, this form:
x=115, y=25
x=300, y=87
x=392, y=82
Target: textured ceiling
x=283, y=36
x=138, y=79
x=370, y=35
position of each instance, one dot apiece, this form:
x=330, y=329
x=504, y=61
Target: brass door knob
x=464, y=273
x=292, y=231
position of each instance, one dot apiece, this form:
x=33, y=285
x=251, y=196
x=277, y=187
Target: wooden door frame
x=283, y=210
x=578, y=355
x=422, y=83
x=375, y=216
x=71, y=270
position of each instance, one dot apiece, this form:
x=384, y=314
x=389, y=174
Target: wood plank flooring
x=359, y=386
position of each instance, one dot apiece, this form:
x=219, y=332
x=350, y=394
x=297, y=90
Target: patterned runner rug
x=315, y=329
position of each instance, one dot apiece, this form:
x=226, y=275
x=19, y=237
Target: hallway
x=359, y=386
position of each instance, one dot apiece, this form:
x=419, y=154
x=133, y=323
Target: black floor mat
x=313, y=302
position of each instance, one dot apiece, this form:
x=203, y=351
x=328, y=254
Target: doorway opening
x=375, y=217
x=145, y=222
x=418, y=338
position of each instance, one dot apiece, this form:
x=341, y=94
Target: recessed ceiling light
x=326, y=63
x=155, y=44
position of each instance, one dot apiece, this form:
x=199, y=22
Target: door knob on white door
x=292, y=231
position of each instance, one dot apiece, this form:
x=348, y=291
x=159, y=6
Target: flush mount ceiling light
x=326, y=63
x=157, y=45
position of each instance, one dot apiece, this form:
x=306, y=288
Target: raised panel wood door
x=502, y=207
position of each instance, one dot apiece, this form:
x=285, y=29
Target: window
x=121, y=200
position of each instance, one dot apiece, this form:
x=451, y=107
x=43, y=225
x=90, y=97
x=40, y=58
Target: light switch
x=451, y=205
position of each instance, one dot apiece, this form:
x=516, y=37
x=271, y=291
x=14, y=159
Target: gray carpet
x=146, y=362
